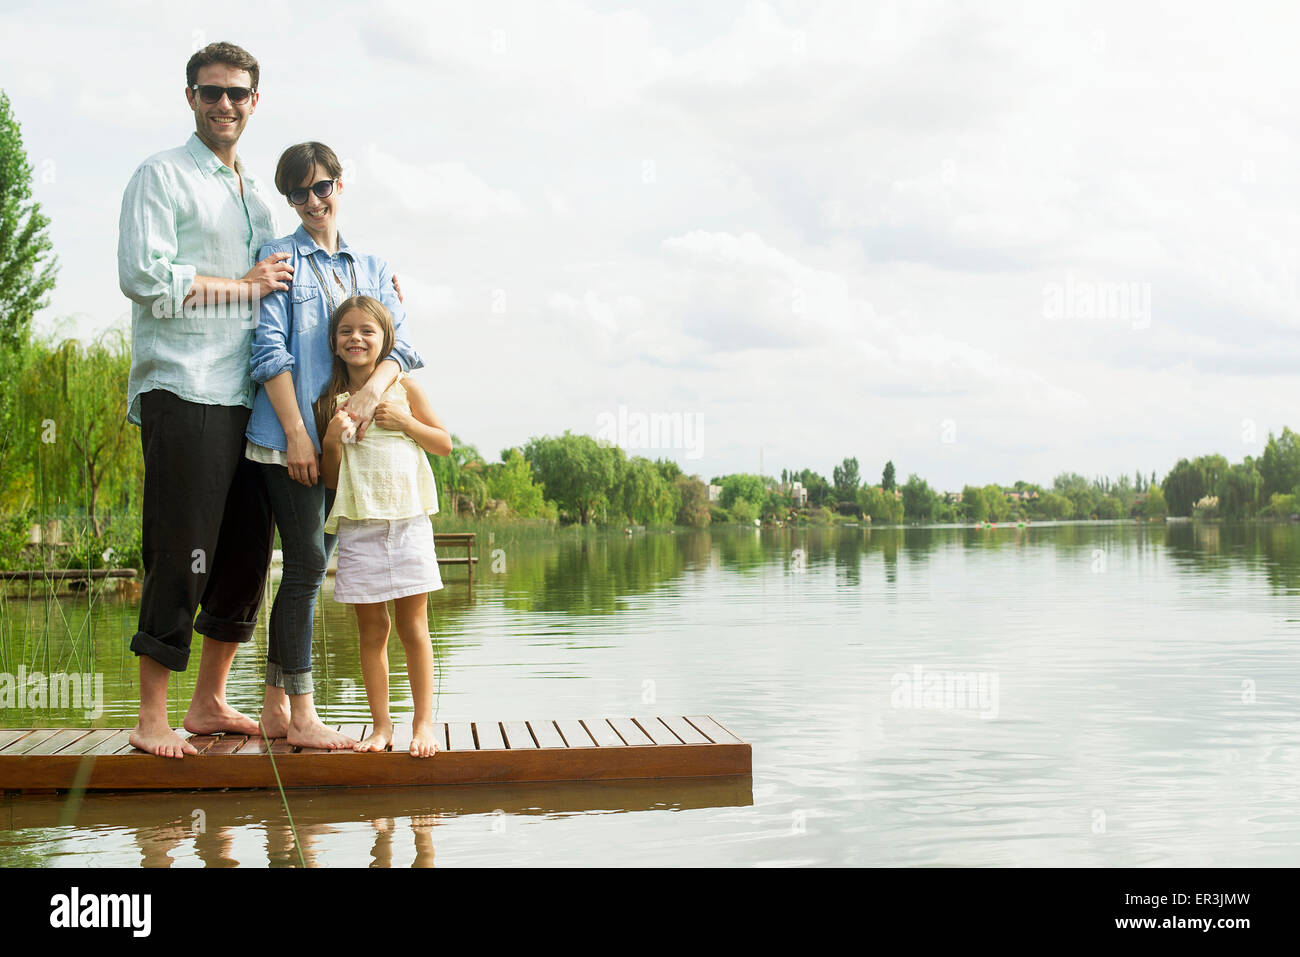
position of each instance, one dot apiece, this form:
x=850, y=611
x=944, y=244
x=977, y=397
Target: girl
x=385, y=495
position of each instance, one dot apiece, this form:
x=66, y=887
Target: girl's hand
x=390, y=415
x=304, y=466
x=341, y=429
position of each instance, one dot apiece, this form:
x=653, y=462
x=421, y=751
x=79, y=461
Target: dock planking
x=472, y=752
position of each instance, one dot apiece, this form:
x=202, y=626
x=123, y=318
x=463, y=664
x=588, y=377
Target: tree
x=1279, y=466
x=72, y=438
x=694, y=496
x=741, y=486
x=1239, y=490
x=27, y=269
x=846, y=479
x=461, y=477
x=643, y=494
x=512, y=482
x=577, y=472
x=887, y=477
x=879, y=505
x=999, y=506
x=819, y=490
x=974, y=504
x=1154, y=506
x=918, y=499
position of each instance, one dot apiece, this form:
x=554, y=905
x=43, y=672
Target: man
x=192, y=223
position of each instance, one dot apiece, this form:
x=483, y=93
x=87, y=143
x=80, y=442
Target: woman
x=291, y=362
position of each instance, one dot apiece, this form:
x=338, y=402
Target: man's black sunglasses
x=212, y=94
x=322, y=189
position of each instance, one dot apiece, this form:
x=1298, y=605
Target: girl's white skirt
x=380, y=560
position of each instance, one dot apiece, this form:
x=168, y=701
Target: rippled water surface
x=1134, y=700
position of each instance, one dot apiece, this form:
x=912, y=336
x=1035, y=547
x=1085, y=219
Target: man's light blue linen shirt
x=293, y=328
x=183, y=216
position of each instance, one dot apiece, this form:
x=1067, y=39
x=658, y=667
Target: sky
x=987, y=242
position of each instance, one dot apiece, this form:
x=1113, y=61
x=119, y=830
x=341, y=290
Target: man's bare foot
x=423, y=741
x=314, y=734
x=275, y=722
x=377, y=740
x=164, y=742
x=217, y=718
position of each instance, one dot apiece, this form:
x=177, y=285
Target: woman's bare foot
x=275, y=722
x=314, y=734
x=377, y=740
x=217, y=717
x=423, y=741
x=162, y=741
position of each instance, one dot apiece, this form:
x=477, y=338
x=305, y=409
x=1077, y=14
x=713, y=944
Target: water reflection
x=1147, y=711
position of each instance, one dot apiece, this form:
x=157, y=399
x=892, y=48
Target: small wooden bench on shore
x=457, y=540
x=473, y=752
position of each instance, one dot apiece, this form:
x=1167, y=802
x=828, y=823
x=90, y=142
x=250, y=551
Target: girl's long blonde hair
x=325, y=405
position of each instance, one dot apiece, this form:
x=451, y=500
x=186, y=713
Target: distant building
x=797, y=493
x=715, y=491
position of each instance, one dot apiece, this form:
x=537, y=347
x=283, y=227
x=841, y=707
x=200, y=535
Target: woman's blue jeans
x=300, y=517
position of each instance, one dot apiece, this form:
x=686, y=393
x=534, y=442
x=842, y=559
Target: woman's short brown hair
x=299, y=161
x=227, y=54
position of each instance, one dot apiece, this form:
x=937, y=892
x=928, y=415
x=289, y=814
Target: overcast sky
x=989, y=242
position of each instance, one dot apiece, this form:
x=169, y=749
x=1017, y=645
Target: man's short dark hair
x=299, y=161
x=227, y=54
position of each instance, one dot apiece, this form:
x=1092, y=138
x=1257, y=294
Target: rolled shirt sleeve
x=147, y=244
x=403, y=353
x=271, y=354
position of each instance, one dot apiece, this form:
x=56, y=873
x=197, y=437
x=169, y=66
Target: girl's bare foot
x=162, y=741
x=377, y=740
x=314, y=734
x=424, y=743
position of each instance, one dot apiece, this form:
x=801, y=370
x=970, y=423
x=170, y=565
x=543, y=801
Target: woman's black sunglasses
x=212, y=94
x=322, y=189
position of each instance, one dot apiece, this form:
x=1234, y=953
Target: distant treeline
x=66, y=450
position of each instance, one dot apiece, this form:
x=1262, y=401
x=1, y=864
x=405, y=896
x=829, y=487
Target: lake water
x=1097, y=695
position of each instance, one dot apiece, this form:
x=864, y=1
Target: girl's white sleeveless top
x=385, y=475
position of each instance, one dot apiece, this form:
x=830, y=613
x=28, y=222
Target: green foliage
x=880, y=506
x=997, y=503
x=644, y=495
x=887, y=479
x=742, y=487
x=694, y=496
x=577, y=472
x=1279, y=466
x=973, y=503
x=846, y=479
x=512, y=482
x=819, y=490
x=918, y=499
x=1056, y=507
x=27, y=269
x=1239, y=490
x=1155, y=506
x=70, y=448
x=461, y=478
x=745, y=511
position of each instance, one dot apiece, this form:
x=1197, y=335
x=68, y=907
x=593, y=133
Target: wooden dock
x=480, y=752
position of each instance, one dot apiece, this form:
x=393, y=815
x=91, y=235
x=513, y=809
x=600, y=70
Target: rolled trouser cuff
x=169, y=656
x=293, y=682
x=224, y=629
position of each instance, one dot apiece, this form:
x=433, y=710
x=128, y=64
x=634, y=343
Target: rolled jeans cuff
x=169, y=656
x=224, y=629
x=297, y=682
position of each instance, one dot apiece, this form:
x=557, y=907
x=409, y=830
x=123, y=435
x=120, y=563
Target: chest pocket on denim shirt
x=309, y=306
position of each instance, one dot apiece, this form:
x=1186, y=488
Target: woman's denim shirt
x=293, y=328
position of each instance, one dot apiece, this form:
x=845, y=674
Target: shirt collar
x=306, y=245
x=205, y=158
